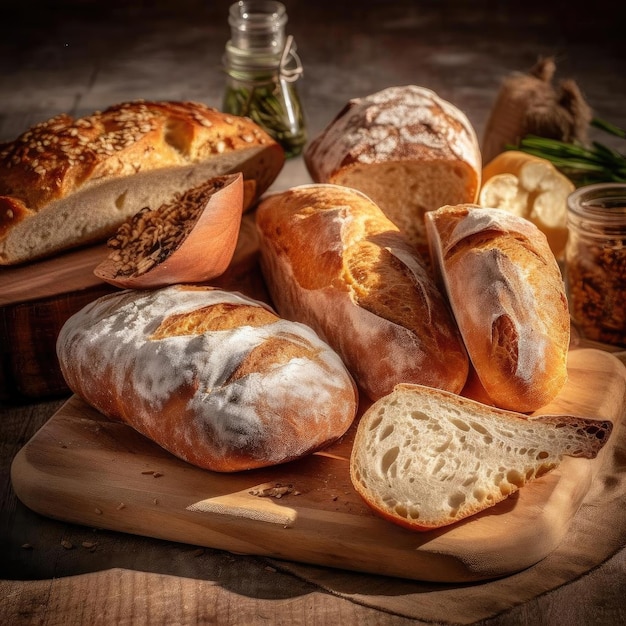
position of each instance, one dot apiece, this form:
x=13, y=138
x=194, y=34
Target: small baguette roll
x=508, y=298
x=408, y=149
x=424, y=458
x=216, y=378
x=333, y=261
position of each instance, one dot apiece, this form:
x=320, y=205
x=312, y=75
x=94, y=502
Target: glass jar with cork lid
x=262, y=68
x=595, y=262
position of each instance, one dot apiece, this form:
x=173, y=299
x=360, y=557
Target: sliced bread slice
x=425, y=458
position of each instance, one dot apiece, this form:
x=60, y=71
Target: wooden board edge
x=432, y=556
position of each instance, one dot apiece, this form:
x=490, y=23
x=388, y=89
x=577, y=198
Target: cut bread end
x=425, y=458
x=406, y=190
x=95, y=211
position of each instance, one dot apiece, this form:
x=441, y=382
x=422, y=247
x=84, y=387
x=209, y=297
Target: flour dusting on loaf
x=333, y=261
x=408, y=149
x=391, y=124
x=218, y=391
x=508, y=297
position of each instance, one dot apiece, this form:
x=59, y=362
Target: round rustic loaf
x=214, y=377
x=406, y=148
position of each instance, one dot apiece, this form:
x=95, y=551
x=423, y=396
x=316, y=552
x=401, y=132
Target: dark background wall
x=77, y=55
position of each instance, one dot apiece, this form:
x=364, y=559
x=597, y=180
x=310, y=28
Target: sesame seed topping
x=64, y=151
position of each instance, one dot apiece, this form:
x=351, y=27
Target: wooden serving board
x=82, y=468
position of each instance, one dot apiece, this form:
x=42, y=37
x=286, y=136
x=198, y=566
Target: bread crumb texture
x=425, y=458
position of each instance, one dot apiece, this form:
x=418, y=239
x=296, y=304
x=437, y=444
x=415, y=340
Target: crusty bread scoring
x=214, y=377
x=67, y=182
x=406, y=148
x=424, y=458
x=508, y=298
x=333, y=261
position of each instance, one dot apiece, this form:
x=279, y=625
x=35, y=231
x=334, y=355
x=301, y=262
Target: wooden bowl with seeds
x=190, y=238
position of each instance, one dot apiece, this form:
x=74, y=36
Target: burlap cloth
x=597, y=531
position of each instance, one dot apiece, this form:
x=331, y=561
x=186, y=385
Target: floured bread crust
x=214, y=377
x=333, y=261
x=406, y=148
x=508, y=297
x=70, y=181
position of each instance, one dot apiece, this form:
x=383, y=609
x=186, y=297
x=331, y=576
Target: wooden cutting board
x=82, y=468
x=37, y=299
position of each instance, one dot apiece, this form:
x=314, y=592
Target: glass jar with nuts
x=595, y=262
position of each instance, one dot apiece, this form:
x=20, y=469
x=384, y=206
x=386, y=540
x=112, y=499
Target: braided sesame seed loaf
x=67, y=182
x=406, y=148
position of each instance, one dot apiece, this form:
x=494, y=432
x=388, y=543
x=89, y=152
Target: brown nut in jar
x=596, y=262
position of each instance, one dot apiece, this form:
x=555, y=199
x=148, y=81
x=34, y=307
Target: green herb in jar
x=276, y=109
x=262, y=68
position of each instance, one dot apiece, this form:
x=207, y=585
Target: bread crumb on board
x=153, y=473
x=277, y=491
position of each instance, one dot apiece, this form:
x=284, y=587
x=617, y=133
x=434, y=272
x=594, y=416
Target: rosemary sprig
x=608, y=127
x=263, y=106
x=583, y=165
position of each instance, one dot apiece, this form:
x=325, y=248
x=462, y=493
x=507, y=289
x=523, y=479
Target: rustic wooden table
x=78, y=56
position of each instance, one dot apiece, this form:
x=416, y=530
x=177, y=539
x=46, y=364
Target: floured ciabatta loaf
x=68, y=182
x=214, y=377
x=333, y=261
x=406, y=148
x=508, y=298
x=424, y=458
